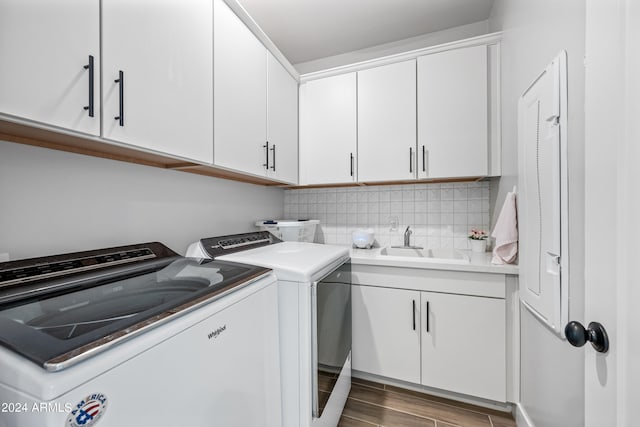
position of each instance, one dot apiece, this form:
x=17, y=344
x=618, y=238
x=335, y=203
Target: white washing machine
x=138, y=336
x=314, y=302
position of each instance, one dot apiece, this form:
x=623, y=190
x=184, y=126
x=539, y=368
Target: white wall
x=552, y=372
x=426, y=40
x=55, y=202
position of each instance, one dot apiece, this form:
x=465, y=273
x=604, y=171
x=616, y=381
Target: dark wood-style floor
x=371, y=404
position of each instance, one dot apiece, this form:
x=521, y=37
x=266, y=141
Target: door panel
x=386, y=337
x=44, y=49
x=282, y=122
x=167, y=71
x=452, y=113
x=328, y=130
x=240, y=85
x=463, y=344
x=387, y=122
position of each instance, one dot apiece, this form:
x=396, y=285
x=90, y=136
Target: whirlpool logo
x=215, y=334
x=88, y=411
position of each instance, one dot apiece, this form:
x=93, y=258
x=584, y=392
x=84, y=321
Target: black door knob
x=578, y=336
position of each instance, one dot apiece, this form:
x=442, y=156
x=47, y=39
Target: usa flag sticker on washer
x=88, y=411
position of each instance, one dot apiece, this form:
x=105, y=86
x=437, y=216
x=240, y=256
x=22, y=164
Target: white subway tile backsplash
x=460, y=193
x=440, y=215
x=420, y=218
x=446, y=193
x=460, y=206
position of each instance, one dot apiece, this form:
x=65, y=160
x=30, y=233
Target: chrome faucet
x=407, y=237
x=407, y=240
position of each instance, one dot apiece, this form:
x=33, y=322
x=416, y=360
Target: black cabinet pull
x=410, y=160
x=273, y=165
x=414, y=315
x=351, y=160
x=266, y=152
x=89, y=67
x=427, y=325
x=424, y=159
x=120, y=81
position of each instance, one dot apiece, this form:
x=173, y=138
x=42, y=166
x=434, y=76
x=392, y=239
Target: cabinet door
x=386, y=337
x=240, y=101
x=164, y=50
x=387, y=122
x=44, y=47
x=328, y=130
x=463, y=344
x=282, y=122
x=452, y=113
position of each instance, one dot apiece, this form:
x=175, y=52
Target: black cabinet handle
x=273, y=166
x=410, y=160
x=351, y=154
x=414, y=315
x=427, y=323
x=424, y=159
x=120, y=81
x=89, y=67
x=266, y=152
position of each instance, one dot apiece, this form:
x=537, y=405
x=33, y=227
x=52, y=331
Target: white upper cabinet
x=282, y=122
x=256, y=103
x=45, y=76
x=240, y=94
x=452, y=113
x=328, y=130
x=157, y=81
x=387, y=122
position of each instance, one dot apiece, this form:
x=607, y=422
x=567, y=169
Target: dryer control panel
x=223, y=245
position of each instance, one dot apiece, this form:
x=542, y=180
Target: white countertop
x=479, y=262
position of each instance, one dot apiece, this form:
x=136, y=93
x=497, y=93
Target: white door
x=163, y=51
x=282, y=122
x=387, y=122
x=328, y=130
x=240, y=86
x=463, y=344
x=43, y=53
x=612, y=209
x=452, y=113
x=386, y=332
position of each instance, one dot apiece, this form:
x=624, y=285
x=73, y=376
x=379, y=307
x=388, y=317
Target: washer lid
x=70, y=323
x=293, y=261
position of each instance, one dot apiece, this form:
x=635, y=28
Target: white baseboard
x=522, y=418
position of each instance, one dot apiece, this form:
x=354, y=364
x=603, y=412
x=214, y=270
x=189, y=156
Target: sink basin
x=439, y=255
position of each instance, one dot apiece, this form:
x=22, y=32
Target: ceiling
x=306, y=30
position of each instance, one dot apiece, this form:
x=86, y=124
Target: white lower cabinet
x=386, y=335
x=463, y=344
x=444, y=340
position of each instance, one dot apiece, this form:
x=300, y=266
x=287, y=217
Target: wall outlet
x=4, y=257
x=393, y=223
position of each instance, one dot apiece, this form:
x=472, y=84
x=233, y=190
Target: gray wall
x=55, y=202
x=552, y=372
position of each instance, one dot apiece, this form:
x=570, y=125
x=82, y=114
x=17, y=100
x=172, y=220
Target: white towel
x=506, y=232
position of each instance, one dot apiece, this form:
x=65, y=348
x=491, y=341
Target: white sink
x=439, y=255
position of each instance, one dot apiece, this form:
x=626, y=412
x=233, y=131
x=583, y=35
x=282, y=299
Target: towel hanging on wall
x=505, y=232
